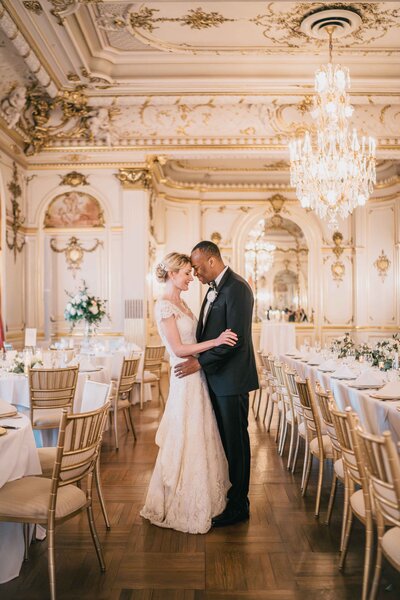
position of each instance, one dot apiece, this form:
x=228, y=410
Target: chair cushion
x=391, y=546
x=327, y=446
x=289, y=417
x=339, y=469
x=28, y=498
x=358, y=504
x=46, y=417
x=47, y=457
x=147, y=378
x=302, y=430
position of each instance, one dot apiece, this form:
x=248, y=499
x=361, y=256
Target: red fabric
x=1, y=333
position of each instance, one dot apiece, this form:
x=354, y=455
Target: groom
x=230, y=371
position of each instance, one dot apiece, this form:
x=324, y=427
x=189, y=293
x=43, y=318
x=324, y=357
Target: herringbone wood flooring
x=282, y=553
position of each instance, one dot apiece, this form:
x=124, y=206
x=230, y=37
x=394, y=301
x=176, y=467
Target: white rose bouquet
x=84, y=307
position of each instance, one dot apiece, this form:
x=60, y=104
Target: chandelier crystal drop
x=333, y=172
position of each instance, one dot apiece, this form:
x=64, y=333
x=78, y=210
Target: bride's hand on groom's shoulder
x=190, y=366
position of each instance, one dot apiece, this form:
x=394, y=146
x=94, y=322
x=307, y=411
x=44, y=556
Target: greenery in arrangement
x=381, y=354
x=19, y=365
x=84, y=307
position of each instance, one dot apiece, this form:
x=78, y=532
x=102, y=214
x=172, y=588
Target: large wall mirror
x=276, y=266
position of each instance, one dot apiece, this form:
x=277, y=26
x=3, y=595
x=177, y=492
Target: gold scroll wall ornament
x=74, y=179
x=382, y=265
x=18, y=220
x=135, y=178
x=338, y=268
x=74, y=252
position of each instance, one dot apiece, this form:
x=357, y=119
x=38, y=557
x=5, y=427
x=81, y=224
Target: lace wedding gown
x=190, y=479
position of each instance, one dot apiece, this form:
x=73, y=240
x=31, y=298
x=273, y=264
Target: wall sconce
x=337, y=268
x=74, y=252
x=382, y=265
x=17, y=219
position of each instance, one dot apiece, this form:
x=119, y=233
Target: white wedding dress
x=190, y=479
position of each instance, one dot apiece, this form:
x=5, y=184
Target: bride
x=190, y=480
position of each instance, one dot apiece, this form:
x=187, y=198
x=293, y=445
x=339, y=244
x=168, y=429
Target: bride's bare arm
x=171, y=332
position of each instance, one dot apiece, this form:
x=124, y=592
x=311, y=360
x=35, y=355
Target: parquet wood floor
x=282, y=553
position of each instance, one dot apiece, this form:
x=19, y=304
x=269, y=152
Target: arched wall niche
x=311, y=229
x=83, y=215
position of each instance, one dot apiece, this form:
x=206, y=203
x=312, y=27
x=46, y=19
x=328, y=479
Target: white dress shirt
x=217, y=282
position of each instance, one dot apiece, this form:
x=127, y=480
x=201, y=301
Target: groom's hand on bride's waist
x=191, y=365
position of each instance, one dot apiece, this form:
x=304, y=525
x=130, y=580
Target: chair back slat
x=78, y=445
x=324, y=400
x=294, y=393
x=52, y=388
x=342, y=430
x=128, y=375
x=153, y=359
x=310, y=412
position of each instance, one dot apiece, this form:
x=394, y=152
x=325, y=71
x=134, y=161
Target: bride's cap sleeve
x=164, y=310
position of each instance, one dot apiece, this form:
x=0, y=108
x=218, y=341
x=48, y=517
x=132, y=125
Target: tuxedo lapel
x=220, y=285
x=200, y=321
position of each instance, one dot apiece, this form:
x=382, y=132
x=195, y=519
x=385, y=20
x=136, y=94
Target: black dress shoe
x=230, y=516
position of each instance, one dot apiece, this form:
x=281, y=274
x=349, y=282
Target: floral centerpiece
x=21, y=363
x=343, y=346
x=85, y=307
x=384, y=352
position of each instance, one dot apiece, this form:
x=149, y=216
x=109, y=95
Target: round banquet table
x=18, y=458
x=277, y=338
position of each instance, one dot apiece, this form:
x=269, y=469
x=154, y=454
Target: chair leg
x=26, y=541
x=131, y=422
x=307, y=473
x=369, y=540
x=160, y=394
x=267, y=399
x=126, y=421
x=95, y=538
x=278, y=427
x=99, y=488
x=378, y=564
x=346, y=508
x=319, y=486
x=305, y=463
x=253, y=399
x=116, y=426
x=346, y=538
x=258, y=403
x=331, y=498
x=51, y=563
x=271, y=412
x=293, y=428
x=283, y=437
x=296, y=452
x=141, y=394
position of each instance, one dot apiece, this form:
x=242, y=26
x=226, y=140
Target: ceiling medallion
x=333, y=172
x=74, y=179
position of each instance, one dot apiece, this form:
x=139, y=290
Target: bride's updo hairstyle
x=172, y=262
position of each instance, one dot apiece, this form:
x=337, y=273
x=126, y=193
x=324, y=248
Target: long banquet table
x=375, y=415
x=277, y=338
x=18, y=458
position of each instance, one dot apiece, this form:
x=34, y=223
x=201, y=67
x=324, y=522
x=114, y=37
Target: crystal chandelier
x=332, y=172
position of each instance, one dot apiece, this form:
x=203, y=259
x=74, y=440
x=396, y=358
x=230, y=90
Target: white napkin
x=328, y=365
x=369, y=377
x=390, y=390
x=315, y=359
x=7, y=409
x=292, y=352
x=344, y=372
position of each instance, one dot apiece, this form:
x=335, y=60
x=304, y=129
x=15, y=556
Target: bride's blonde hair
x=172, y=262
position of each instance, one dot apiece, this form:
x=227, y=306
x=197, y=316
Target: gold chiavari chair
x=264, y=383
x=287, y=408
x=94, y=396
x=358, y=501
x=49, y=502
x=275, y=398
x=50, y=391
x=120, y=396
x=151, y=373
x=317, y=443
x=324, y=400
x=298, y=428
x=382, y=464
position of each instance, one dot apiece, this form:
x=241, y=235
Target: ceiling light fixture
x=332, y=171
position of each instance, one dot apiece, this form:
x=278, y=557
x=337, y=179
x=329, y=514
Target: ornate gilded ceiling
x=130, y=79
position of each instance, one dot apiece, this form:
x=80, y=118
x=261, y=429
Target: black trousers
x=232, y=418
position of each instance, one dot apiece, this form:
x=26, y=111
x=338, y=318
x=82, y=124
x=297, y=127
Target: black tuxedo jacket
x=230, y=370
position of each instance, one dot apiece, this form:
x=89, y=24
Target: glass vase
x=88, y=335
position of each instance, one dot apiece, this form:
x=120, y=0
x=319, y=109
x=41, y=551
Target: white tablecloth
x=18, y=458
x=376, y=416
x=277, y=338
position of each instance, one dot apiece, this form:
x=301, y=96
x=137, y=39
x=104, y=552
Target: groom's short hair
x=208, y=248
